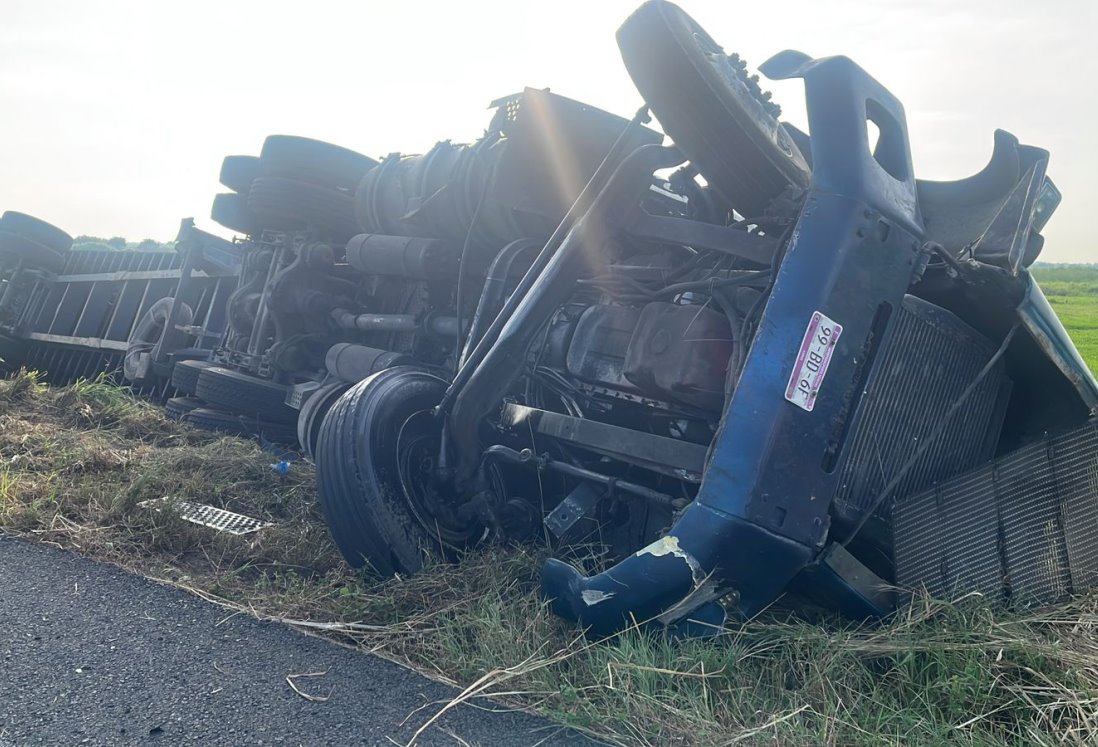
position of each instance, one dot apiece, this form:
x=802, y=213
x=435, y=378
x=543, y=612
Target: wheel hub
x=433, y=503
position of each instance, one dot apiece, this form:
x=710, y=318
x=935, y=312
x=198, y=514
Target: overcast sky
x=114, y=116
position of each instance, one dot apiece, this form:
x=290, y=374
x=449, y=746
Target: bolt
x=730, y=600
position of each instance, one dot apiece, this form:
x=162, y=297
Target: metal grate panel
x=1023, y=527
x=214, y=518
x=946, y=539
x=1075, y=463
x=1034, y=552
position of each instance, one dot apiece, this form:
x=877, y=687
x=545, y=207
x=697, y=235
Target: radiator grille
x=1024, y=526
x=930, y=358
x=948, y=551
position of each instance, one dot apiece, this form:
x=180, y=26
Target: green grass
x=75, y=464
x=1079, y=313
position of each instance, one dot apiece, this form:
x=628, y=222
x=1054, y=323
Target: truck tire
x=185, y=375
x=314, y=161
x=238, y=172
x=213, y=419
x=33, y=254
x=373, y=459
x=46, y=234
x=276, y=200
x=710, y=108
x=311, y=416
x=245, y=394
x=165, y=369
x=177, y=407
x=231, y=210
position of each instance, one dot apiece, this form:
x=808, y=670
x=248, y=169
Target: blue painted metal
x=1048, y=332
x=837, y=580
x=842, y=99
x=761, y=514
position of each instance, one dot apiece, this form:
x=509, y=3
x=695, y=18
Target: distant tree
x=91, y=244
x=119, y=244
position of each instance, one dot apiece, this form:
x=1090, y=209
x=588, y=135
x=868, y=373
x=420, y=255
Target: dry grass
x=75, y=462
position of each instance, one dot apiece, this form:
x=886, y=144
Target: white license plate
x=812, y=361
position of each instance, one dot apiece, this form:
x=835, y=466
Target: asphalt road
x=90, y=654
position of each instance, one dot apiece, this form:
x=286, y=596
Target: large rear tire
x=231, y=210
x=312, y=413
x=314, y=161
x=46, y=234
x=177, y=407
x=375, y=463
x=710, y=108
x=30, y=252
x=275, y=201
x=213, y=419
x=238, y=172
x=245, y=394
x=185, y=375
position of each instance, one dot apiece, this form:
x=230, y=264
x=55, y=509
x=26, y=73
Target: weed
x=76, y=463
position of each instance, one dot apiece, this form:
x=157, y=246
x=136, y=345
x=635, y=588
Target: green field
x=1073, y=293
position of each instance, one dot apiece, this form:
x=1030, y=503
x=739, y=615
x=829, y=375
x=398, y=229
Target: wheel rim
x=432, y=506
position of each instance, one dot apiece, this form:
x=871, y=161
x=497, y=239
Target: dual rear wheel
x=294, y=183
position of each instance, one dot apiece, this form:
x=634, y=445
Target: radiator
x=928, y=358
x=1023, y=527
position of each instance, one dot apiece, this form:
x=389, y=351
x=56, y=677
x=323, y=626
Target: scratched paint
x=669, y=545
x=592, y=597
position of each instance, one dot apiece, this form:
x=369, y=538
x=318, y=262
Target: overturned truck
x=750, y=363
x=806, y=372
